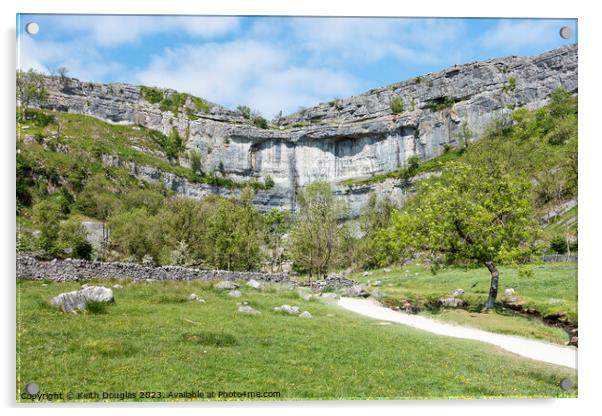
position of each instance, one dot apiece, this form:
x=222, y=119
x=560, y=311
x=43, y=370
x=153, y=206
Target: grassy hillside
x=154, y=339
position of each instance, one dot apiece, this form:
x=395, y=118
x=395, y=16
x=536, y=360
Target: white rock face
x=354, y=137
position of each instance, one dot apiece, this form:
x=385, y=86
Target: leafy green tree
x=195, y=161
x=143, y=198
x=30, y=90
x=469, y=215
x=73, y=240
x=278, y=223
x=137, y=234
x=315, y=237
x=47, y=216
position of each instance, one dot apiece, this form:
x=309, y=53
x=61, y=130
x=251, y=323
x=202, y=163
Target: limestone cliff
x=347, y=138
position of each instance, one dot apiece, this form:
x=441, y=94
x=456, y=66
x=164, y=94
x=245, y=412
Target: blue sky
x=272, y=63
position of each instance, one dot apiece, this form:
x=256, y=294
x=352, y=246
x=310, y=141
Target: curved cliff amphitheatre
x=165, y=241
x=342, y=140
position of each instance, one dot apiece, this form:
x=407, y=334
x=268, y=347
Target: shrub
x=525, y=272
x=260, y=122
x=200, y=104
x=442, y=103
x=73, y=240
x=195, y=160
x=152, y=95
x=245, y=111
x=558, y=244
x=268, y=182
x=396, y=105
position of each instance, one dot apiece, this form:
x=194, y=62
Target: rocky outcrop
x=28, y=267
x=343, y=139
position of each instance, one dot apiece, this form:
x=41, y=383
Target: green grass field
x=153, y=339
x=552, y=289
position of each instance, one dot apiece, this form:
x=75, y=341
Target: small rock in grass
x=458, y=292
x=255, y=284
x=329, y=295
x=377, y=294
x=226, y=285
x=291, y=310
x=193, y=296
x=377, y=283
x=306, y=315
x=117, y=286
x=44, y=285
x=387, y=270
x=200, y=300
x=234, y=293
x=554, y=301
x=509, y=291
x=365, y=274
x=358, y=291
x=248, y=310
x=451, y=302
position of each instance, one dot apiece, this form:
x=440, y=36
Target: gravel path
x=536, y=350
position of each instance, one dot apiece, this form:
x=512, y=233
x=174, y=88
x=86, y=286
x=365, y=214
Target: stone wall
x=28, y=267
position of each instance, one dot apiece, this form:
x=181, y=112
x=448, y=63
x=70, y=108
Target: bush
x=195, y=160
x=245, y=111
x=152, y=95
x=396, y=105
x=442, y=103
x=268, y=182
x=558, y=245
x=525, y=272
x=200, y=104
x=260, y=122
x=73, y=240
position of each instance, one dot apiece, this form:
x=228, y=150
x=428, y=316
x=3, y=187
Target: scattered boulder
x=509, y=292
x=77, y=300
x=226, y=285
x=377, y=283
x=291, y=310
x=458, y=292
x=255, y=284
x=305, y=315
x=387, y=270
x=554, y=301
x=117, y=286
x=377, y=294
x=451, y=302
x=365, y=274
x=329, y=295
x=248, y=310
x=193, y=296
x=234, y=293
x=358, y=290
x=97, y=294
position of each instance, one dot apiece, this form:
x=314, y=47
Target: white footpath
x=536, y=350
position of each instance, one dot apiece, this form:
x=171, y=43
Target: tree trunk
x=495, y=275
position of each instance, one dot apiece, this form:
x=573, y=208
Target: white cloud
x=372, y=39
x=512, y=34
x=118, y=30
x=247, y=72
x=82, y=61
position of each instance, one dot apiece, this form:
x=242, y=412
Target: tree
x=195, y=161
x=73, y=240
x=137, y=234
x=30, y=90
x=316, y=234
x=470, y=215
x=47, y=216
x=278, y=223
